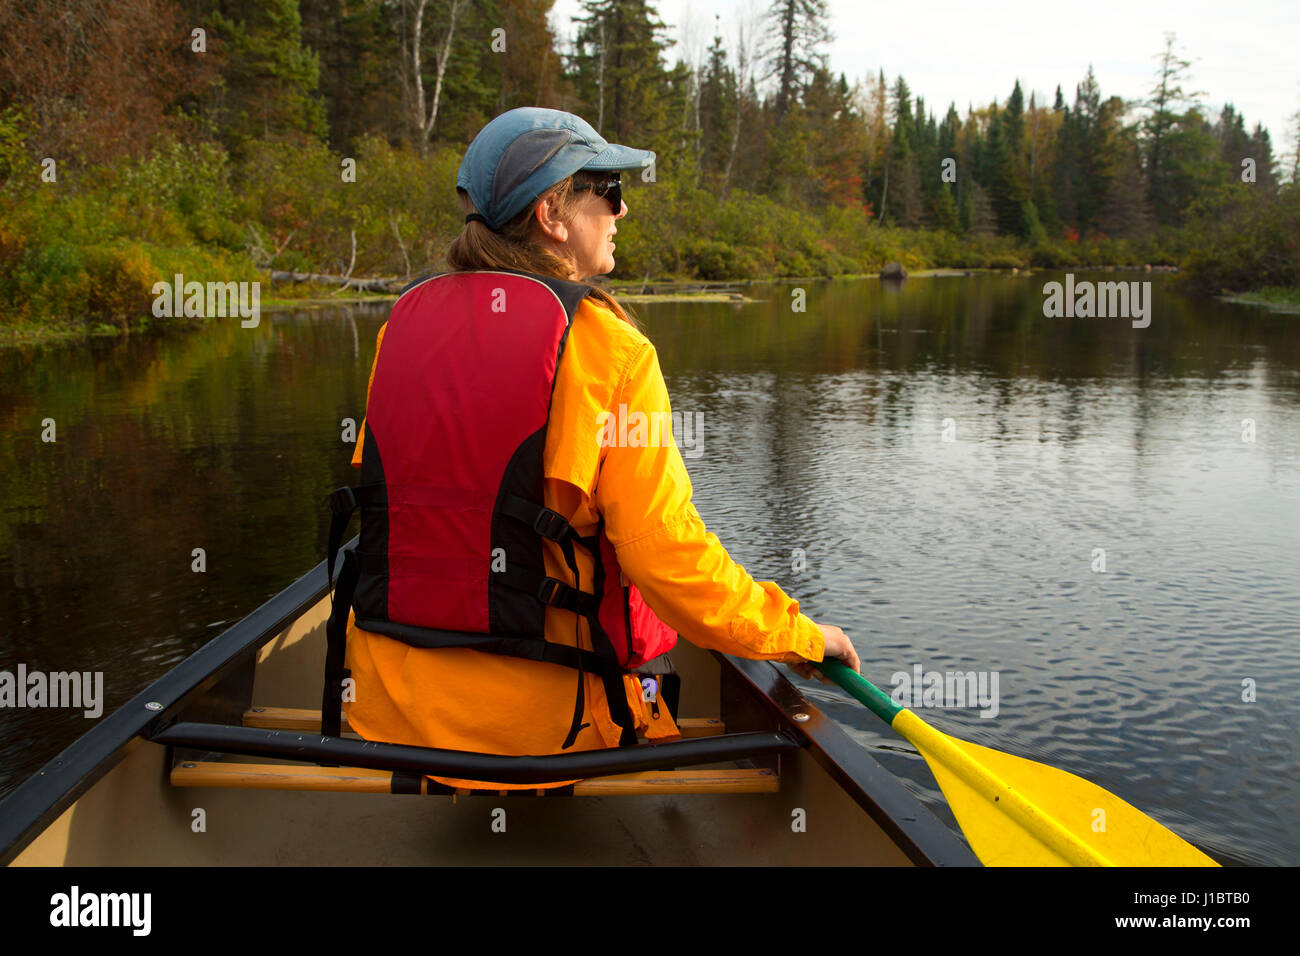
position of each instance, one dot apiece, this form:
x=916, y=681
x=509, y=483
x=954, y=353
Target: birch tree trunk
x=442, y=68
x=425, y=121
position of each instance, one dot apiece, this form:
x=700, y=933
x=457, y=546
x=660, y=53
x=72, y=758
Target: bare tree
x=413, y=12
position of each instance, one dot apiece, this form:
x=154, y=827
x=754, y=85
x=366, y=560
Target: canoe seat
x=284, y=776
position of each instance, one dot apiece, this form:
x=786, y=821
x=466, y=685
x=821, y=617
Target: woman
x=542, y=197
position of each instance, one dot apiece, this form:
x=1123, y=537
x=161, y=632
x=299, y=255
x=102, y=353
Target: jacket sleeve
x=643, y=492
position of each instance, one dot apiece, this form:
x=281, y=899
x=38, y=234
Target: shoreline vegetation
x=279, y=138
x=633, y=292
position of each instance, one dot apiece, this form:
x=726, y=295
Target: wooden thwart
x=254, y=776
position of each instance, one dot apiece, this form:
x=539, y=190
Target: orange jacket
x=460, y=699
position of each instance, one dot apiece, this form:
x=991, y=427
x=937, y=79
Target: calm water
x=934, y=468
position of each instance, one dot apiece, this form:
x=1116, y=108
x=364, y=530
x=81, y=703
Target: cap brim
x=615, y=157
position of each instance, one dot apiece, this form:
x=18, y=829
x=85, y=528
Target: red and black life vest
x=452, y=519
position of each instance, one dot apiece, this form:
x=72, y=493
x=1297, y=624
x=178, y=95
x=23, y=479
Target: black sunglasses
x=611, y=190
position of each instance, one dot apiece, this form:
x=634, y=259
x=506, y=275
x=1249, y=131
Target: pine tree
x=1190, y=164
x=945, y=211
x=619, y=76
x=269, y=80
x=1094, y=145
x=798, y=32
x=832, y=174
x=981, y=220
x=1260, y=149
x=1166, y=103
x=879, y=138
x=901, y=169
x=1065, y=174
x=1009, y=184
x=719, y=105
x=1126, y=211
x=353, y=41
x=529, y=72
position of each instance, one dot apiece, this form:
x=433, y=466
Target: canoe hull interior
x=853, y=812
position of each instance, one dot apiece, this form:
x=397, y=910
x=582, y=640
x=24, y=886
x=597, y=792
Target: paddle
x=1015, y=812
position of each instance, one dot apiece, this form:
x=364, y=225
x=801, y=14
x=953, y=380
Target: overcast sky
x=1246, y=53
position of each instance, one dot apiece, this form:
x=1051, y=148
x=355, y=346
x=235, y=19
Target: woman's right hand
x=838, y=646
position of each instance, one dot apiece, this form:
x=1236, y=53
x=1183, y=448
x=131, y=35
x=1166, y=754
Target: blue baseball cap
x=520, y=154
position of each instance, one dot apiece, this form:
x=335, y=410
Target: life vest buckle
x=551, y=524
x=553, y=592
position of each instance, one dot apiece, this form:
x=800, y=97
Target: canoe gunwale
x=924, y=839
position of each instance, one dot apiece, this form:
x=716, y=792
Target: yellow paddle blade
x=1016, y=812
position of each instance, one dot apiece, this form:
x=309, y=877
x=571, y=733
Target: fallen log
x=378, y=284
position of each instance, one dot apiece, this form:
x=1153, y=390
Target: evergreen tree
x=798, y=32
x=1095, y=147
x=905, y=202
x=1260, y=148
x=832, y=176
x=529, y=72
x=353, y=42
x=1009, y=182
x=1126, y=211
x=1065, y=173
x=970, y=149
x=269, y=80
x=719, y=104
x=981, y=220
x=945, y=211
x=1166, y=103
x=875, y=111
x=1190, y=164
x=619, y=76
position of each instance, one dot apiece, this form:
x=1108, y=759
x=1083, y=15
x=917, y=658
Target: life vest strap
x=550, y=591
x=549, y=524
x=336, y=634
x=343, y=502
x=611, y=670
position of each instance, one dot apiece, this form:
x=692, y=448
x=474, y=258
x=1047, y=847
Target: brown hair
x=520, y=245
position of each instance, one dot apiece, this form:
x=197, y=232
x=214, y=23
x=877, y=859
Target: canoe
x=221, y=762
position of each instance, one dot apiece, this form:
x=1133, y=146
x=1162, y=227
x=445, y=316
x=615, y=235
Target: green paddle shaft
x=853, y=683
